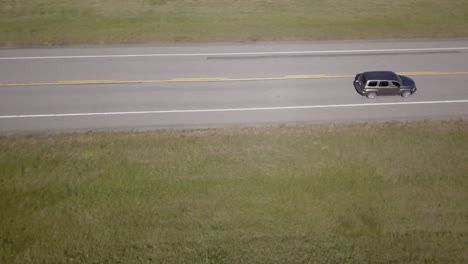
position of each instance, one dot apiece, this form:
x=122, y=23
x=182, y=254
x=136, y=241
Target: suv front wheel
x=406, y=94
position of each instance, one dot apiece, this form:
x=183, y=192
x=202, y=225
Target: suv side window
x=383, y=84
x=395, y=84
x=372, y=84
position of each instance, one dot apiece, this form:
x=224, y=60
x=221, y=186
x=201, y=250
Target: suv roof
x=381, y=75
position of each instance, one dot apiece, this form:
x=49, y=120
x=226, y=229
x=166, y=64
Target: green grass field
x=364, y=193
x=65, y=22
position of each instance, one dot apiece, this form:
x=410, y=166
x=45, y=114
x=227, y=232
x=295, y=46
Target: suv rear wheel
x=371, y=95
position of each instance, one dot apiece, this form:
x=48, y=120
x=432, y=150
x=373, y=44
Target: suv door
x=372, y=86
x=388, y=87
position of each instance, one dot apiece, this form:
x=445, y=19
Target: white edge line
x=233, y=109
x=305, y=52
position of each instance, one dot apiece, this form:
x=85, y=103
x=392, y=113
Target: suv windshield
x=399, y=79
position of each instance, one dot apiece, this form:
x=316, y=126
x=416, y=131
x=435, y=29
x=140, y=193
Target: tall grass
x=65, y=22
x=383, y=193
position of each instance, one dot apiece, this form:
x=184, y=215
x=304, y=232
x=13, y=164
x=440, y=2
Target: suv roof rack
x=381, y=75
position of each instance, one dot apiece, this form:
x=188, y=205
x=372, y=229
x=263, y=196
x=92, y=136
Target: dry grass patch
x=65, y=22
x=318, y=194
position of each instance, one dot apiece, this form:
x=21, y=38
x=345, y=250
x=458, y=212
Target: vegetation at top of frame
x=378, y=193
x=66, y=22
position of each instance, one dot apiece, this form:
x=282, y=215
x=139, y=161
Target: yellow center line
x=220, y=79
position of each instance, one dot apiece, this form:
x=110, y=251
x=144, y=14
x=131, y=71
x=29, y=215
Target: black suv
x=374, y=83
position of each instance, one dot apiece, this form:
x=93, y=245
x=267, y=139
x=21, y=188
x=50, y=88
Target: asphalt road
x=224, y=85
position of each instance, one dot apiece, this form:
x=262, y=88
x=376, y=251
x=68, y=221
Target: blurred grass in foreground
x=364, y=193
x=65, y=22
